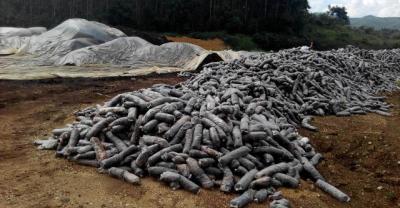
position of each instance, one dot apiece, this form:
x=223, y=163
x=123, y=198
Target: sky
x=360, y=8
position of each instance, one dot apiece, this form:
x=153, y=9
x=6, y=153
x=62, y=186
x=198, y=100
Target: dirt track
x=362, y=154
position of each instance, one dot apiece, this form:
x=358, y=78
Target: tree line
x=242, y=16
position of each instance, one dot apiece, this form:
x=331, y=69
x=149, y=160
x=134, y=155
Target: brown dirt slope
x=215, y=44
x=361, y=155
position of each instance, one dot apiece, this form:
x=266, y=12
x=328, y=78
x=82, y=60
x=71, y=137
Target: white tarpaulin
x=95, y=47
x=135, y=52
x=20, y=32
x=63, y=38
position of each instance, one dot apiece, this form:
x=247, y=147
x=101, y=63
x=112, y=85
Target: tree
x=242, y=16
x=340, y=13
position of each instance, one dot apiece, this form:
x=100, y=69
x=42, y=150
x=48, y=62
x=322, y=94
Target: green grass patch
x=241, y=42
x=325, y=37
x=391, y=196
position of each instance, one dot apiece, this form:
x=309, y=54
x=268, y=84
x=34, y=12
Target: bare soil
x=362, y=154
x=215, y=44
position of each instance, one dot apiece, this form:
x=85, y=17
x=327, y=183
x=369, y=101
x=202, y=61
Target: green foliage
x=391, y=196
x=241, y=42
x=378, y=23
x=243, y=24
x=340, y=14
x=184, y=16
x=327, y=33
x=274, y=41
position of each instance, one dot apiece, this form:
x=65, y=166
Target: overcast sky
x=360, y=8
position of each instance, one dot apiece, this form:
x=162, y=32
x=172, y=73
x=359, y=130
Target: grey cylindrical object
x=123, y=121
x=280, y=203
x=162, y=128
x=241, y=171
x=106, y=163
x=155, y=157
x=132, y=114
x=86, y=155
x=93, y=163
x=270, y=170
x=99, y=149
x=131, y=178
x=164, y=117
x=150, y=140
x=149, y=115
x=206, y=162
x=156, y=171
x=262, y=182
x=183, y=181
x=333, y=191
x=211, y=152
x=215, y=137
x=98, y=127
x=150, y=126
x=243, y=200
x=136, y=170
x=227, y=181
x=315, y=159
x=198, y=173
x=287, y=180
x=136, y=101
x=197, y=154
x=145, y=154
x=261, y=196
x=181, y=133
x=188, y=140
x=124, y=175
x=237, y=153
x=237, y=137
x=116, y=141
x=160, y=101
x=206, y=137
x=311, y=170
x=221, y=123
x=214, y=171
x=197, y=136
x=175, y=128
x=184, y=170
x=246, y=163
x=245, y=181
x=136, y=130
x=244, y=124
x=275, y=152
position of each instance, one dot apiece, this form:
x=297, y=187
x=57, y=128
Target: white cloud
x=358, y=8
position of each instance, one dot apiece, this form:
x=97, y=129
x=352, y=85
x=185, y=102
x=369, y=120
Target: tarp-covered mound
x=81, y=42
x=136, y=52
x=64, y=38
x=21, y=32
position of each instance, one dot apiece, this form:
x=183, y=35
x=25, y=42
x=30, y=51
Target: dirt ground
x=215, y=44
x=362, y=154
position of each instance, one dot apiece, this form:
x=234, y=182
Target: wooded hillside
x=247, y=16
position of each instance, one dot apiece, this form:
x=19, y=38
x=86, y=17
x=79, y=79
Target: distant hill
x=376, y=22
